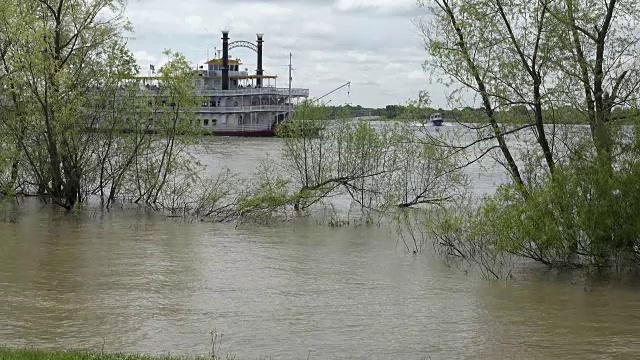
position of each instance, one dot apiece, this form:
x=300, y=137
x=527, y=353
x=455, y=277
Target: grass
x=28, y=354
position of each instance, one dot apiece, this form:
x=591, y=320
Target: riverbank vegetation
x=571, y=199
x=375, y=170
x=66, y=95
x=14, y=354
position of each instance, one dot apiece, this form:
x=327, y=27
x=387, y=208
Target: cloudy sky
x=372, y=43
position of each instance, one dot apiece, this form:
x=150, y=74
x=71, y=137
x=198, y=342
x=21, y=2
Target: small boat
x=436, y=119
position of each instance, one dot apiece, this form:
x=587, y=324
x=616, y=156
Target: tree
x=173, y=114
x=381, y=170
x=78, y=122
x=54, y=59
x=550, y=57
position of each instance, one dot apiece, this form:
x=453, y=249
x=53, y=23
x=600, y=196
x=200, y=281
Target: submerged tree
x=561, y=205
x=75, y=119
x=379, y=168
x=54, y=61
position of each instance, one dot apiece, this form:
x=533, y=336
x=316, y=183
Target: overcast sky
x=372, y=43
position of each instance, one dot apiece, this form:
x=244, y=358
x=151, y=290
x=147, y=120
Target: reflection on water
x=141, y=283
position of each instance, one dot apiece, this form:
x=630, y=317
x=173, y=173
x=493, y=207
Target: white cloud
x=145, y=59
x=195, y=23
x=319, y=28
x=382, y=7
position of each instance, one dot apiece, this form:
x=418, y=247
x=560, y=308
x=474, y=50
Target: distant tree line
x=388, y=112
x=517, y=114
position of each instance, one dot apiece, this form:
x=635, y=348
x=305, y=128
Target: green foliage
x=586, y=215
x=165, y=159
x=76, y=123
x=11, y=354
x=378, y=168
x=7, y=158
x=571, y=199
x=308, y=120
x=59, y=65
x=266, y=196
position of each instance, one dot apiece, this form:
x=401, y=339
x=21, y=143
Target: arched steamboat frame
x=243, y=44
x=257, y=48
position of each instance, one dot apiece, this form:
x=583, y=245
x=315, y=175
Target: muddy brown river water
x=134, y=282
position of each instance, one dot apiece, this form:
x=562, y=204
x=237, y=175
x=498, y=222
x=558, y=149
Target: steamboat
x=235, y=102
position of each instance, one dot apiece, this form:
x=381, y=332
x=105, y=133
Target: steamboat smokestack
x=225, y=60
x=260, y=71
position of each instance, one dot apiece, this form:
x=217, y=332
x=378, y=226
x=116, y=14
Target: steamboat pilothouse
x=237, y=103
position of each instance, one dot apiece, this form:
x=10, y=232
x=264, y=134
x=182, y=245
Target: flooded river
x=135, y=282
